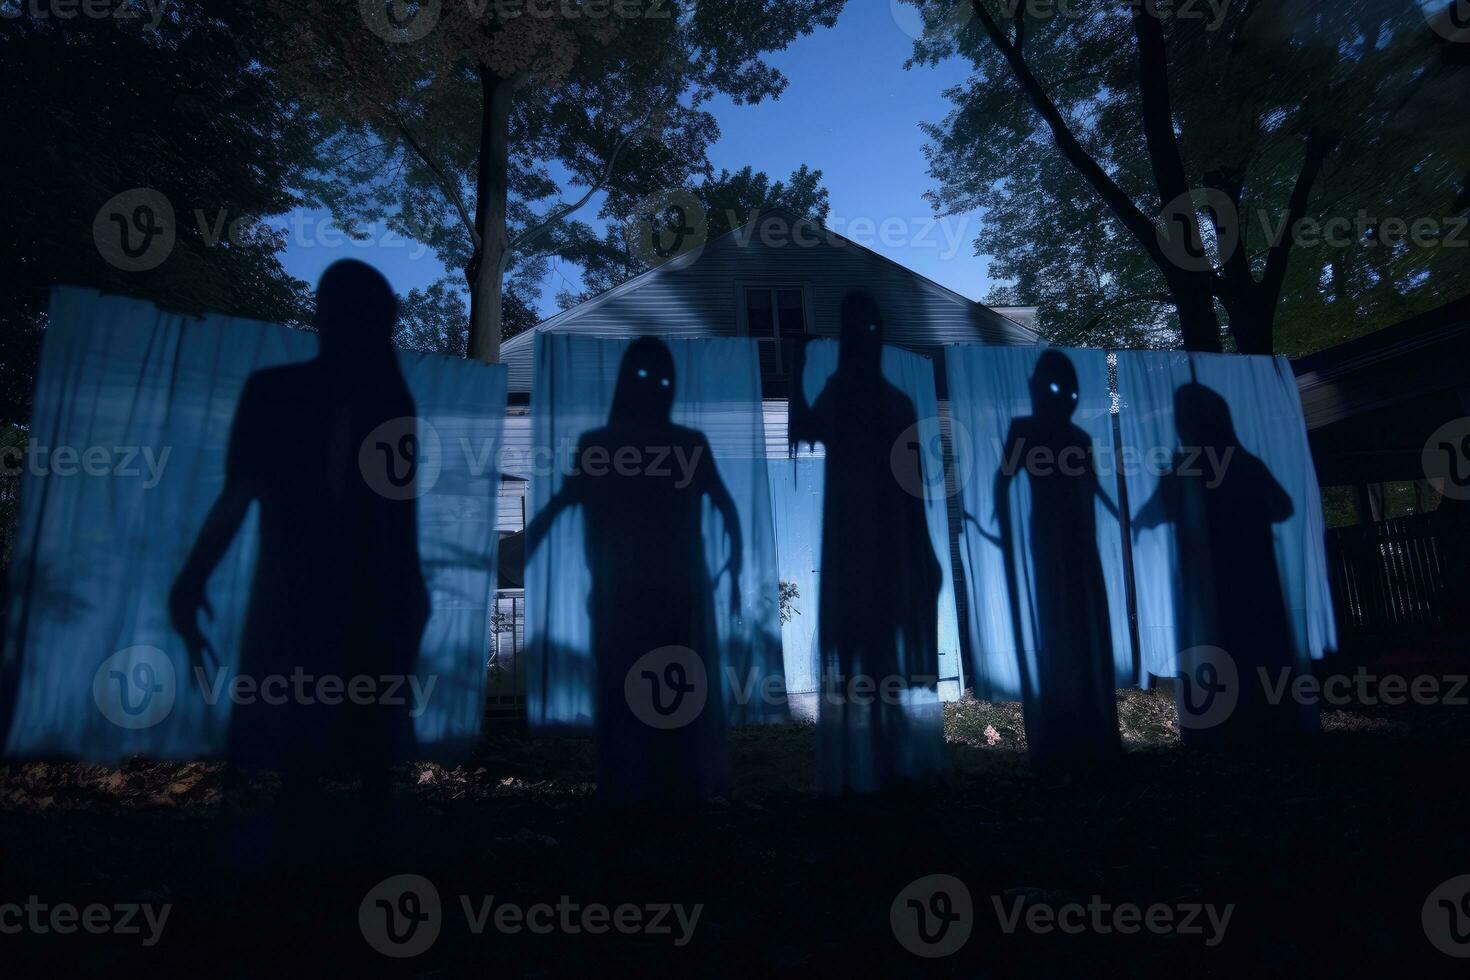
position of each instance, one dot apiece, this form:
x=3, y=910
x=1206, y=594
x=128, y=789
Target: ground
x=1327, y=856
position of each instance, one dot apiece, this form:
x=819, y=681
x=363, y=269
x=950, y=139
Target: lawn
x=1326, y=856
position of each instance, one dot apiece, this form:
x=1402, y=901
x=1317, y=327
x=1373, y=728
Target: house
x=1377, y=408
x=775, y=278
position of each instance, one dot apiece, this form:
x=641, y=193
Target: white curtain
x=1265, y=414
x=866, y=740
x=989, y=389
x=797, y=487
x=1043, y=555
x=128, y=450
x=716, y=392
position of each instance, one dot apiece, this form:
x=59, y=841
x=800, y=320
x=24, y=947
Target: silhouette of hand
x=185, y=601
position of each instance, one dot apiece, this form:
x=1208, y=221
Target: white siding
x=701, y=298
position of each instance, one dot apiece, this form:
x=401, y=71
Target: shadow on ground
x=1327, y=856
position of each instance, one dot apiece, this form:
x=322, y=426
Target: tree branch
x=597, y=185
x=1137, y=223
x=451, y=188
x=1163, y=299
x=356, y=153
x=1157, y=112
x=1319, y=145
x=1235, y=280
x=1081, y=76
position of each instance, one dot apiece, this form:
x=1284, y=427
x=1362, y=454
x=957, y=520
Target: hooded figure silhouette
x=337, y=589
x=1070, y=703
x=879, y=593
x=1228, y=593
x=641, y=482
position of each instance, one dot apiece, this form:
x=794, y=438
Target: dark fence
x=1388, y=576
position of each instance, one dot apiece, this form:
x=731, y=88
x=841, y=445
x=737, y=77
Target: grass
x=1327, y=855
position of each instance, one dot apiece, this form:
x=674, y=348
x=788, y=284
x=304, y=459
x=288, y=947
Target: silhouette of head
x=1202, y=418
x=645, y=390
x=356, y=311
x=1054, y=386
x=862, y=334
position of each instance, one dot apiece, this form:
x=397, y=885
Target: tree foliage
x=454, y=123
x=728, y=200
x=95, y=108
x=1298, y=120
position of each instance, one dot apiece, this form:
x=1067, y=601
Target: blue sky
x=850, y=110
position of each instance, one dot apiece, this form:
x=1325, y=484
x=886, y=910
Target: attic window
x=774, y=312
x=775, y=316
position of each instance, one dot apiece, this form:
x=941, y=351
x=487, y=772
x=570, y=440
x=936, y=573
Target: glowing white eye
x=1055, y=388
x=664, y=382
x=643, y=372
x=1074, y=396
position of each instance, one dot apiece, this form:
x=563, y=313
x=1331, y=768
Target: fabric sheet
x=1041, y=570
x=1188, y=593
x=715, y=397
x=797, y=484
x=883, y=594
x=797, y=487
x=128, y=451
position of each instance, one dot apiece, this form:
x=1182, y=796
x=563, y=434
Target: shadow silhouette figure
x=1227, y=585
x=1070, y=705
x=337, y=587
x=879, y=594
x=651, y=588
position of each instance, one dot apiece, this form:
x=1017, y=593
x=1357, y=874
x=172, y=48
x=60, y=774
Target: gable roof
x=699, y=297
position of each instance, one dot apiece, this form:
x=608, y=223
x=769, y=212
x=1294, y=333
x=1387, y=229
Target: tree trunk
x=1199, y=324
x=491, y=190
x=1252, y=322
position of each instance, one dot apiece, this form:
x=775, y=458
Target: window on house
x=791, y=311
x=776, y=315
x=760, y=318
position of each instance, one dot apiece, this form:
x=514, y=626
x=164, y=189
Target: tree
x=434, y=319
x=1219, y=149
x=728, y=200
x=219, y=153
x=446, y=121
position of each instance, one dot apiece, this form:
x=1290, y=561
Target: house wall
x=702, y=298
